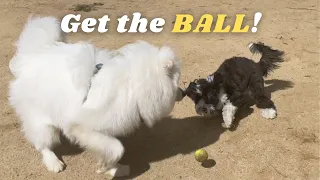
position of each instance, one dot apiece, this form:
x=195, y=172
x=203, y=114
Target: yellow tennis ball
x=201, y=155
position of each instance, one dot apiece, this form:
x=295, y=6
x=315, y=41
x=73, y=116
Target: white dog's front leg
x=228, y=114
x=51, y=161
x=108, y=163
x=108, y=149
x=117, y=170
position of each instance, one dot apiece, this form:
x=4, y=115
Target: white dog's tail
x=39, y=32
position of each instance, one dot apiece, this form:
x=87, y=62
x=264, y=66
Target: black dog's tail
x=270, y=58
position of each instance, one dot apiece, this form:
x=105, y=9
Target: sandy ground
x=284, y=148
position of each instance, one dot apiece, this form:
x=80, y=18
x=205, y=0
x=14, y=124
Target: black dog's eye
x=212, y=98
x=193, y=85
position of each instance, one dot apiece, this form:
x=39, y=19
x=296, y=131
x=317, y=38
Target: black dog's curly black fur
x=238, y=76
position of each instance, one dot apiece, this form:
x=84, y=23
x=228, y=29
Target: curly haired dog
x=237, y=77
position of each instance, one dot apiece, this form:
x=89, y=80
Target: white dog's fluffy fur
x=55, y=90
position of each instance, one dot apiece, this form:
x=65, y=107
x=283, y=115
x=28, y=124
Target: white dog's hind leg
x=228, y=114
x=44, y=137
x=109, y=149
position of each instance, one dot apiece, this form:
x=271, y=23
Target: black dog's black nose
x=180, y=94
x=205, y=110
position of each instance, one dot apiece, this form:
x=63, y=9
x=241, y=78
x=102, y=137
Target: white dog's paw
x=119, y=171
x=101, y=170
x=269, y=113
x=53, y=164
x=51, y=161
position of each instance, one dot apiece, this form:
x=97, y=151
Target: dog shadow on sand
x=172, y=136
x=273, y=85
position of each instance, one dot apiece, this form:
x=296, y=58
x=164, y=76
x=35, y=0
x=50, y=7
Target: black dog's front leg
x=236, y=100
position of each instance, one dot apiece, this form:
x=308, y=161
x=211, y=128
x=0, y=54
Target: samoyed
x=58, y=88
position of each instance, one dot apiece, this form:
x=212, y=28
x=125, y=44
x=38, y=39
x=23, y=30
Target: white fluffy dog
x=57, y=89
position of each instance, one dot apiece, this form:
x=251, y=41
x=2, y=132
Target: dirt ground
x=284, y=148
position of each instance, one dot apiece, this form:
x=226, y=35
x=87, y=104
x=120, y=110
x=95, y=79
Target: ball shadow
x=209, y=163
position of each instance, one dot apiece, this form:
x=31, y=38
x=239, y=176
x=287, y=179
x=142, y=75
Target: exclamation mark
x=256, y=20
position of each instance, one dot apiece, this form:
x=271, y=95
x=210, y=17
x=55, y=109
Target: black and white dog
x=237, y=77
